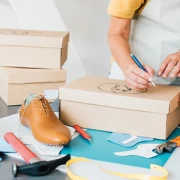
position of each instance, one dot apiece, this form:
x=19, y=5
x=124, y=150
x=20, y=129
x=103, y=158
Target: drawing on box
x=118, y=88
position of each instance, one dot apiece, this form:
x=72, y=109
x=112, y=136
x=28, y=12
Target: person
x=150, y=29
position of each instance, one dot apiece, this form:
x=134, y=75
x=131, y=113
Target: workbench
x=5, y=166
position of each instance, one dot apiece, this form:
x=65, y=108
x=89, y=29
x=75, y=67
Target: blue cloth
x=120, y=138
x=103, y=150
x=5, y=147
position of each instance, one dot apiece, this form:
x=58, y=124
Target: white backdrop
x=87, y=22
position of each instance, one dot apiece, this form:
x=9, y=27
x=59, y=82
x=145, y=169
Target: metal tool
x=40, y=168
x=35, y=166
x=82, y=133
x=168, y=146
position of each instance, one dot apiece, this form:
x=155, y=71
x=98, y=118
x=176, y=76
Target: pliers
x=168, y=146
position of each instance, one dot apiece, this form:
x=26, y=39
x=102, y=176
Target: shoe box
x=17, y=83
x=33, y=48
x=108, y=105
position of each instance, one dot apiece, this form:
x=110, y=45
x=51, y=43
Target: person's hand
x=138, y=79
x=171, y=62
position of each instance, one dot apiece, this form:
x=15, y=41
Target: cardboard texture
x=17, y=83
x=106, y=104
x=33, y=49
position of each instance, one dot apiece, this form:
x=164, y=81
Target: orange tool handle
x=17, y=145
x=82, y=132
x=176, y=140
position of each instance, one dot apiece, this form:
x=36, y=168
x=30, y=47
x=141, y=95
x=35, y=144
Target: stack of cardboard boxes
x=31, y=62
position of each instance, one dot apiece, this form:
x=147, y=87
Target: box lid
x=113, y=93
x=25, y=75
x=32, y=38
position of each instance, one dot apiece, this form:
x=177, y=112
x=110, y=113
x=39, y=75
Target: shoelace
x=40, y=97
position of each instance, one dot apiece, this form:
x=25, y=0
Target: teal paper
x=5, y=147
x=103, y=150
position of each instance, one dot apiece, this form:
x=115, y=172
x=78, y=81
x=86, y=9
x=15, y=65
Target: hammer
x=34, y=167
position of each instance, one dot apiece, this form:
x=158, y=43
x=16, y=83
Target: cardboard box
x=17, y=83
x=107, y=104
x=33, y=49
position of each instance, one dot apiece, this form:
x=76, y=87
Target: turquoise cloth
x=103, y=150
x=119, y=138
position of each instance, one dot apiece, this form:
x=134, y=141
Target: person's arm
x=118, y=38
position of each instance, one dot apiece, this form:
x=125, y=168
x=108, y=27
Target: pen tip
x=153, y=84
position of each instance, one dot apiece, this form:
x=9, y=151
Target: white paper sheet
x=42, y=149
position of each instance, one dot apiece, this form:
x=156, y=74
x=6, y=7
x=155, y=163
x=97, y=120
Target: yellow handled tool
x=168, y=146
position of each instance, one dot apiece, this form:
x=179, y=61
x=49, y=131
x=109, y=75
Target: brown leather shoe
x=37, y=114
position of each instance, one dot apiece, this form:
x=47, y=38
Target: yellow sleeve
x=124, y=8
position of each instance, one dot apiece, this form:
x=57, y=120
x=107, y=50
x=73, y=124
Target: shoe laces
x=44, y=104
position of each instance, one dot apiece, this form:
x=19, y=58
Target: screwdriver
x=84, y=134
